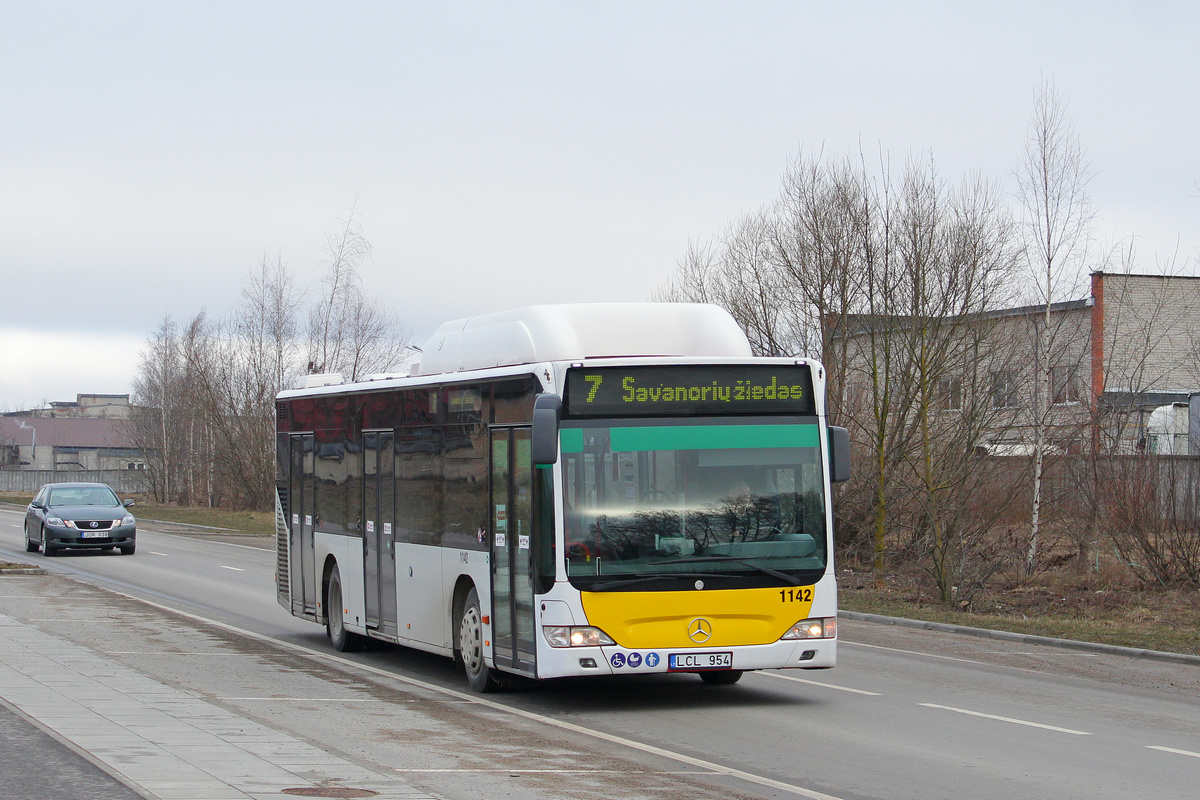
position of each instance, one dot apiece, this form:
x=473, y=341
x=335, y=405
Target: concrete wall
x=1151, y=333
x=124, y=481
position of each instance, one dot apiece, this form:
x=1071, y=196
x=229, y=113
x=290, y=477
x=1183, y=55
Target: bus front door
x=512, y=528
x=379, y=511
x=302, y=496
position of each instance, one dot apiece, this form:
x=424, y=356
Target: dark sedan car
x=79, y=516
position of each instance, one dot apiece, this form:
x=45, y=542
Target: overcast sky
x=504, y=154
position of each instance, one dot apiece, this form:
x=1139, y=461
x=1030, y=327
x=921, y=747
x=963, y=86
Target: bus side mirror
x=839, y=454
x=546, y=410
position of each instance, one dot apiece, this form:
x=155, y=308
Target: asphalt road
x=906, y=714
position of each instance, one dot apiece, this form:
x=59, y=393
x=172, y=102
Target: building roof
x=858, y=324
x=65, y=432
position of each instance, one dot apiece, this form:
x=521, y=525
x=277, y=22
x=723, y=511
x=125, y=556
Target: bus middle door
x=379, y=551
x=512, y=549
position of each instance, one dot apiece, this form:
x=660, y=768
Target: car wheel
x=30, y=545
x=480, y=676
x=47, y=549
x=724, y=677
x=126, y=549
x=343, y=640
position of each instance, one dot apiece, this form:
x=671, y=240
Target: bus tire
x=725, y=677
x=480, y=676
x=343, y=640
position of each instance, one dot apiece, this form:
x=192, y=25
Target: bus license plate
x=690, y=661
x=94, y=534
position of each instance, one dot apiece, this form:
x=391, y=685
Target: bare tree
x=244, y=364
x=888, y=285
x=733, y=271
x=156, y=406
x=348, y=332
x=169, y=422
x=206, y=390
x=1053, y=182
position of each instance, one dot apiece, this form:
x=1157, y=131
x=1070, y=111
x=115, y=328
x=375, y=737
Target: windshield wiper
x=774, y=573
x=600, y=587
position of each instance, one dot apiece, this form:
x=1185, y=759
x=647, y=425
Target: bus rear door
x=302, y=497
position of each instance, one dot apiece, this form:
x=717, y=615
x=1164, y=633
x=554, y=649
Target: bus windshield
x=663, y=504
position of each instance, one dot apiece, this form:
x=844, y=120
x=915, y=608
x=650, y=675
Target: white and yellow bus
x=589, y=489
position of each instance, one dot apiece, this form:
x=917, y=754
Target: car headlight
x=575, y=636
x=56, y=522
x=126, y=521
x=817, y=628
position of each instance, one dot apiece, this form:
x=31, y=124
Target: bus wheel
x=343, y=640
x=470, y=644
x=723, y=677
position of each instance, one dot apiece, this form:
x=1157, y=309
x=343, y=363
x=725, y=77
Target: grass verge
x=257, y=523
x=1170, y=624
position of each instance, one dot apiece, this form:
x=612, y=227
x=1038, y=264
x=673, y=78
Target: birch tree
x=1053, y=182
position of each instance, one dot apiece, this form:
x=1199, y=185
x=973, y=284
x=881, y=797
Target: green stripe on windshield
x=571, y=440
x=709, y=437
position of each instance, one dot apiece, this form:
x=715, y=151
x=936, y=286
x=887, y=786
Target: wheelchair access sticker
x=633, y=660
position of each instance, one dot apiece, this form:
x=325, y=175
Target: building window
x=1004, y=389
x=950, y=393
x=1064, y=386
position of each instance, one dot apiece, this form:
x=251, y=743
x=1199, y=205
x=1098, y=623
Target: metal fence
x=124, y=481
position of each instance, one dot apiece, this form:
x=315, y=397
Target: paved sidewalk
x=163, y=742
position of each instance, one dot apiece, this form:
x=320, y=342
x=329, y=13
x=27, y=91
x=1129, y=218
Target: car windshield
x=83, y=496
x=648, y=503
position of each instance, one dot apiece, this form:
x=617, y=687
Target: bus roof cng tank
x=566, y=332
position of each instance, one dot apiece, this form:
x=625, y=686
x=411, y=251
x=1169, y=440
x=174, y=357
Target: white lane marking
x=915, y=653
x=235, y=569
x=161, y=653
x=580, y=771
x=709, y=766
x=307, y=699
x=818, y=683
x=1173, y=750
x=156, y=553
x=1007, y=719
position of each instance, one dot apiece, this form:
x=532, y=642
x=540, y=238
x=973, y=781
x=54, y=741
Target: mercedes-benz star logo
x=699, y=630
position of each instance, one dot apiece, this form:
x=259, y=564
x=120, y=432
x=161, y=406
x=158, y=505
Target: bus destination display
x=685, y=390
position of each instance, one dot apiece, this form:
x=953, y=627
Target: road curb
x=1026, y=638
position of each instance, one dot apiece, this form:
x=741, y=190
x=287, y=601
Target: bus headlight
x=575, y=636
x=818, y=628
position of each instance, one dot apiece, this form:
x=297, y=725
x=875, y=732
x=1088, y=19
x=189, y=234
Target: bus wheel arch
x=469, y=640
x=462, y=588
x=344, y=641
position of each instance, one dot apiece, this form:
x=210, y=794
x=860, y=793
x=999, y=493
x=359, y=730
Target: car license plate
x=94, y=534
x=690, y=661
